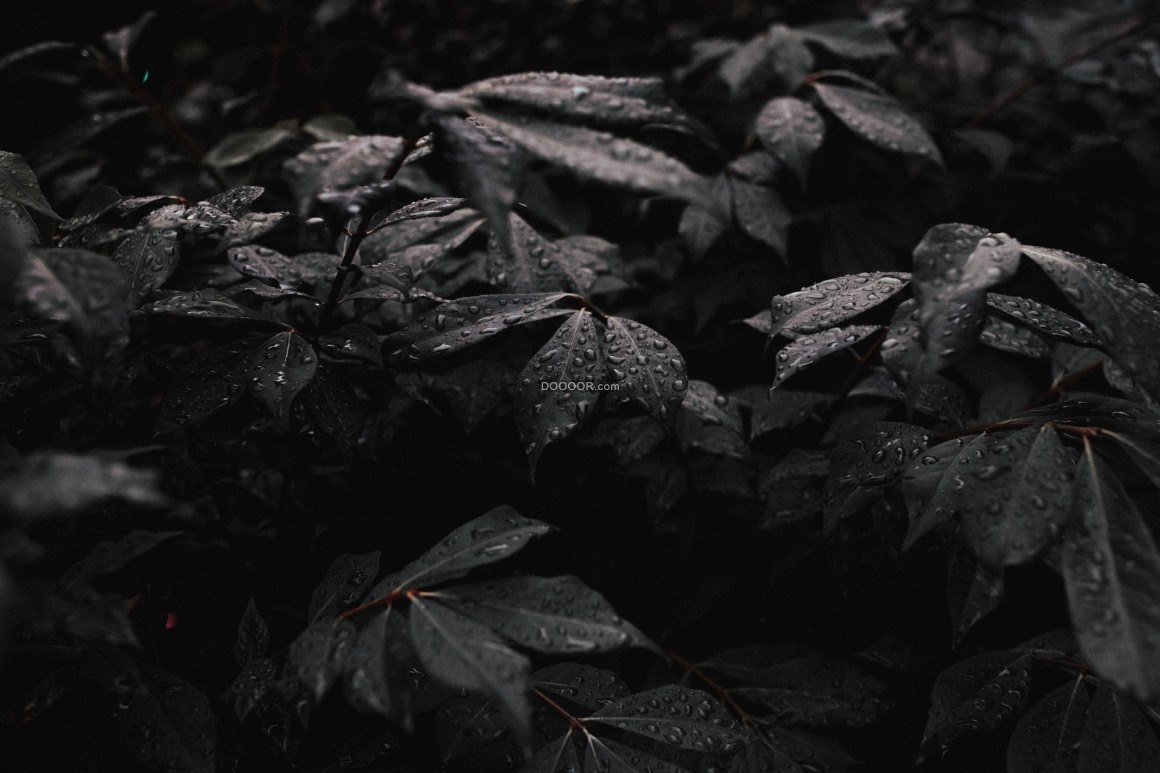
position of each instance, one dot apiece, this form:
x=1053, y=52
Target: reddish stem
x=722, y=693
x=574, y=721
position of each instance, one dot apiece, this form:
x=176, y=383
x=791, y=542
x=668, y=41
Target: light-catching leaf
x=791, y=130
x=462, y=653
x=460, y=323
x=832, y=302
x=647, y=367
x=492, y=537
x=603, y=157
x=558, y=389
x=805, y=351
x=1012, y=491
x=1047, y=738
x=878, y=118
x=558, y=615
x=1125, y=315
x=339, y=165
x=148, y=257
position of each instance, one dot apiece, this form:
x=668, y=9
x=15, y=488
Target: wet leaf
x=558, y=389
x=492, y=537
x=801, y=686
x=1047, y=737
x=236, y=202
x=283, y=366
x=870, y=459
x=583, y=686
x=345, y=585
x=18, y=184
x=791, y=130
x=978, y=694
x=614, y=103
x=1117, y=736
x=253, y=636
x=317, y=658
x=462, y=653
x=557, y=615
x=274, y=369
x=878, y=118
x=760, y=213
x=808, y=349
x=339, y=165
x=1012, y=491
x=774, y=61
x=1043, y=319
x=703, y=224
x=377, y=678
x=334, y=409
x=675, y=716
x=199, y=304
x=1110, y=566
x=525, y=261
x=166, y=723
x=460, y=323
x=603, y=157
x=148, y=257
x=109, y=556
x=645, y=365
x=832, y=302
x=488, y=167
x=246, y=145
x=850, y=38
x=1125, y=315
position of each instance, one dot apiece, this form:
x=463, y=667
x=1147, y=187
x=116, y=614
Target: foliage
x=272, y=424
